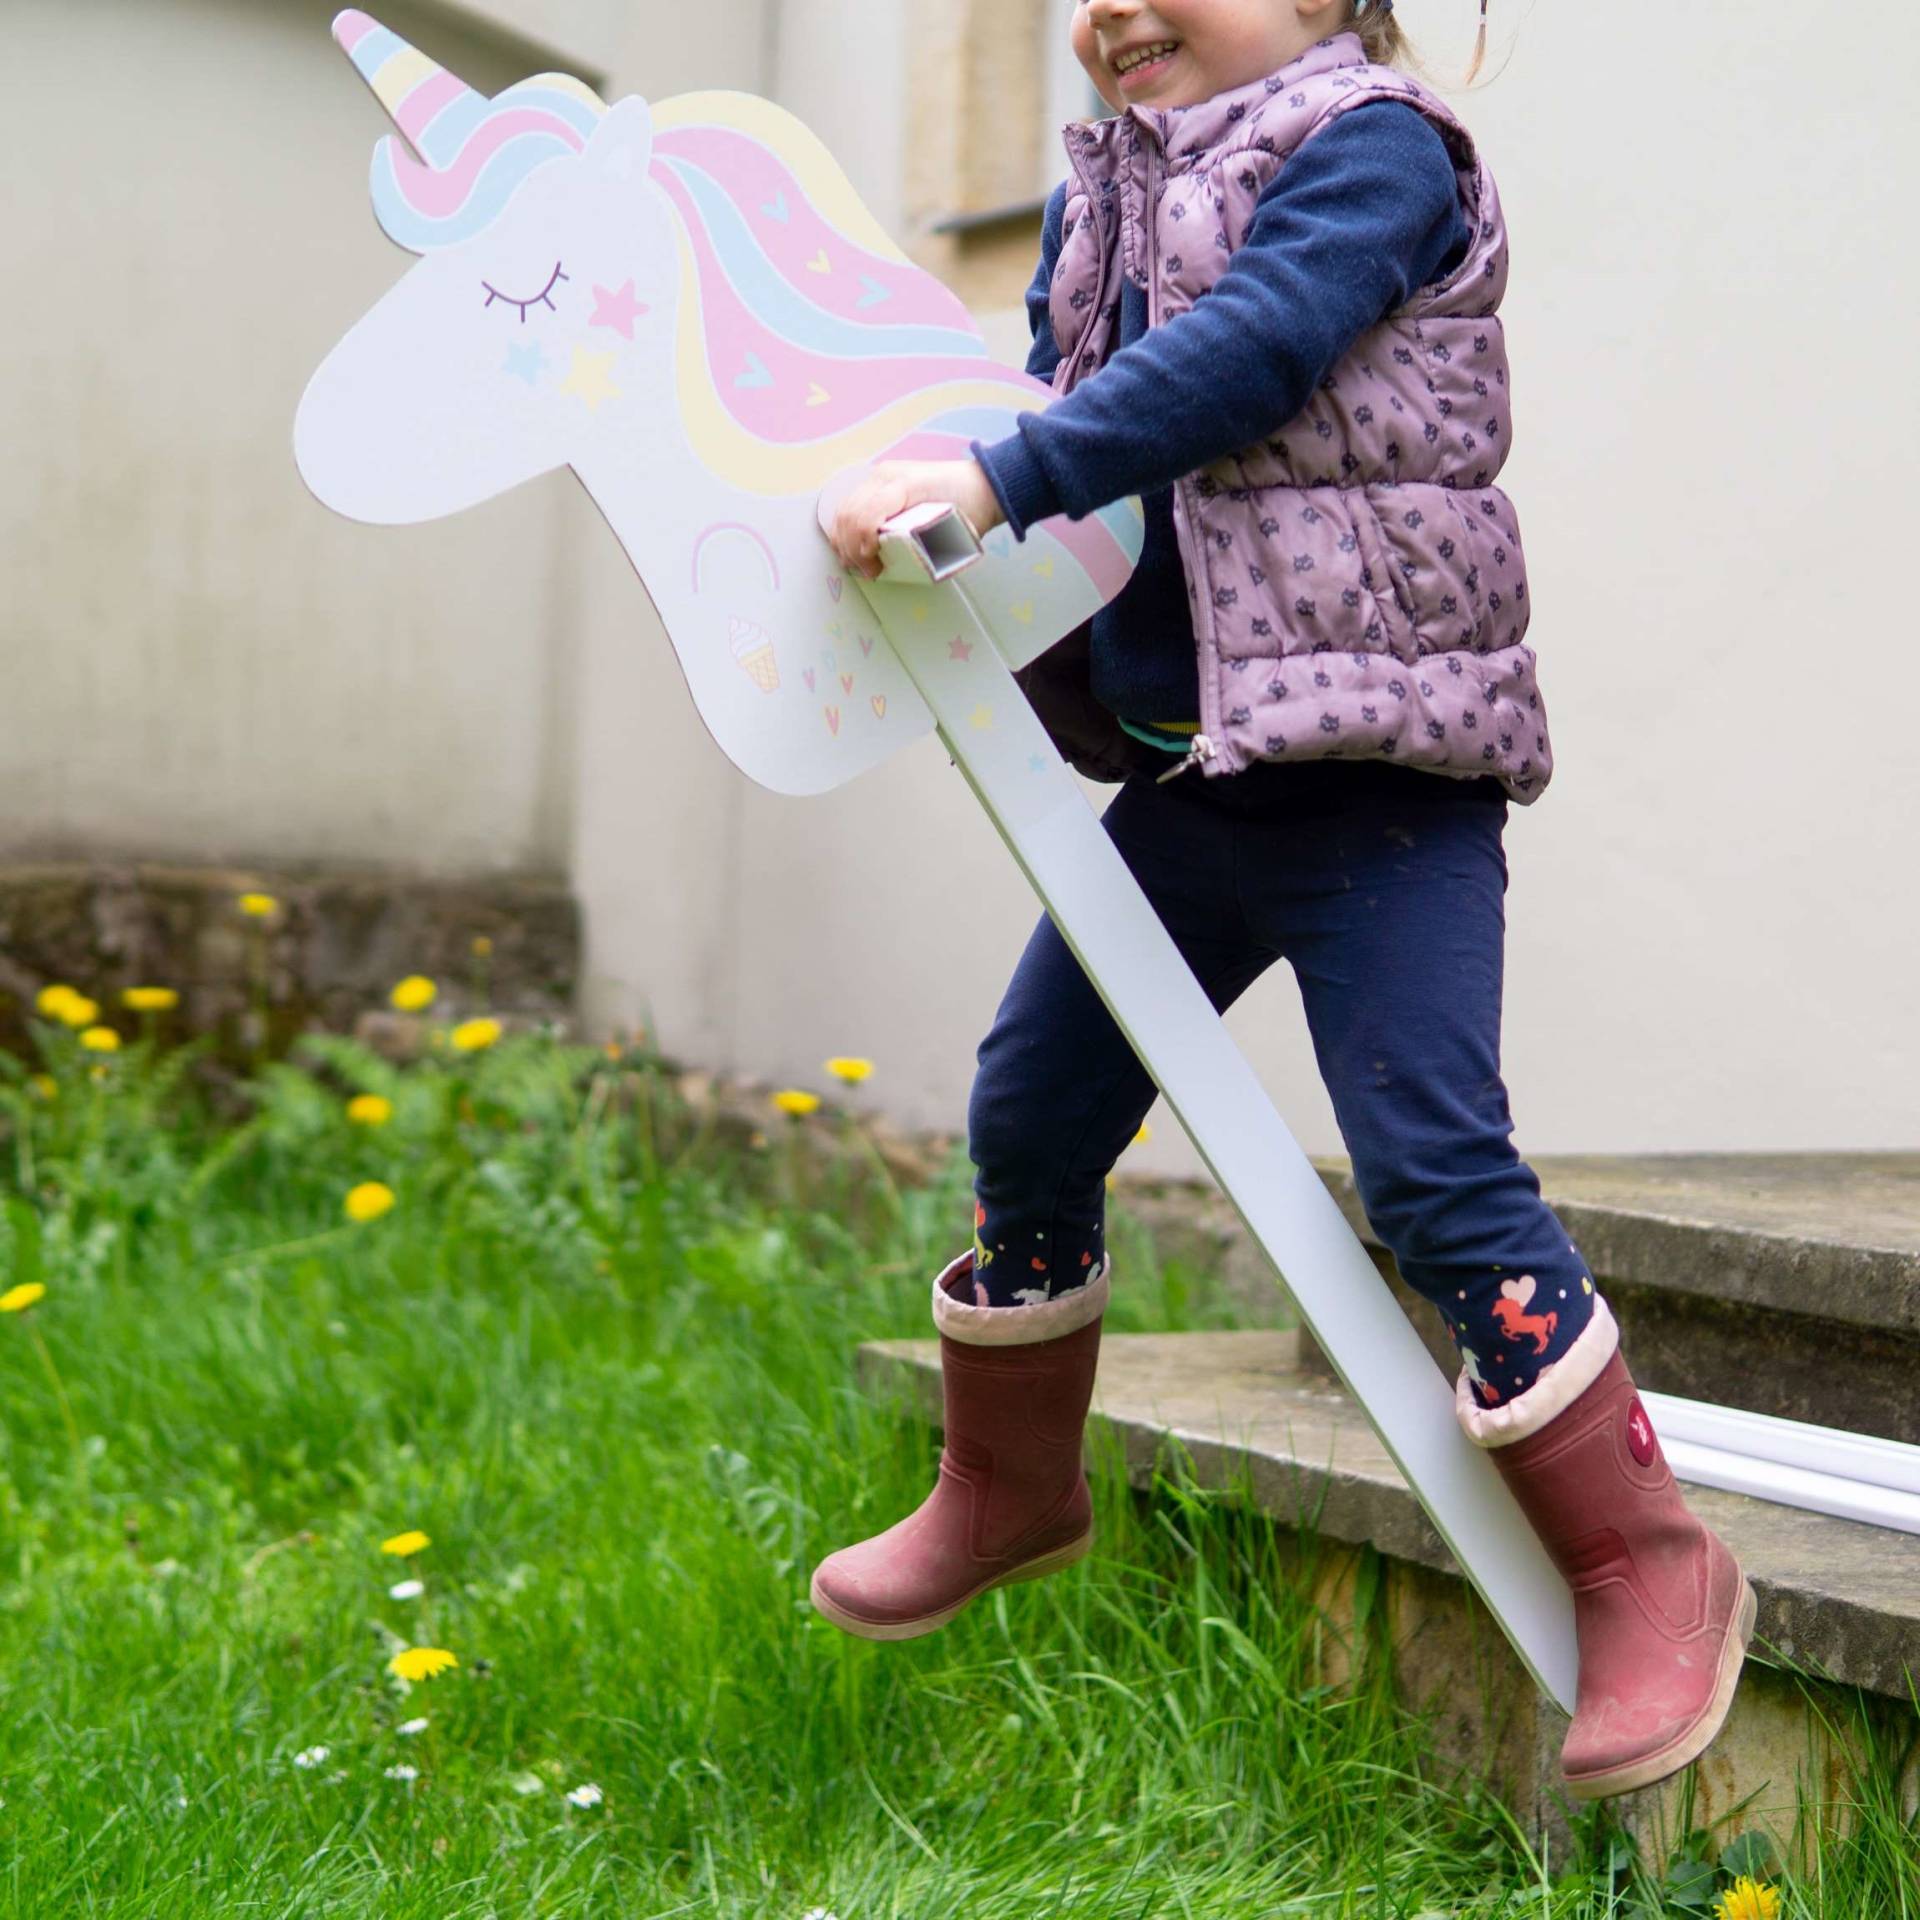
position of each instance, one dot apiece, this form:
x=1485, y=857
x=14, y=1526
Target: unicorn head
x=547, y=273
x=690, y=306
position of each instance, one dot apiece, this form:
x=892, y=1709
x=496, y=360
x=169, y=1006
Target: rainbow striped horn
x=433, y=108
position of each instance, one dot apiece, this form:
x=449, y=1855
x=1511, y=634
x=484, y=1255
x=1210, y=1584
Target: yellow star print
x=589, y=378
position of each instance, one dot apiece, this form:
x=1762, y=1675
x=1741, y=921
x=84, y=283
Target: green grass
x=609, y=1371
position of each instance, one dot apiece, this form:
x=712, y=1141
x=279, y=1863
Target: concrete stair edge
x=1828, y=1236
x=1839, y=1601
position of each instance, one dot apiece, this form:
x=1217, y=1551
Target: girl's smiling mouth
x=1143, y=72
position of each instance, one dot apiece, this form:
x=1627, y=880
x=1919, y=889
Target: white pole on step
x=1823, y=1469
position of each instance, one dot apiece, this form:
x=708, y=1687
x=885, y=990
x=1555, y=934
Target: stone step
x=1784, y=1283
x=1839, y=1601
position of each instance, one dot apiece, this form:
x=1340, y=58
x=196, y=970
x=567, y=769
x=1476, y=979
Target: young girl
x=1268, y=296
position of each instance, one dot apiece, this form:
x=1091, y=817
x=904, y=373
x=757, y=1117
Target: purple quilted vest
x=1356, y=580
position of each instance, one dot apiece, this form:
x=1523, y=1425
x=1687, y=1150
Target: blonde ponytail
x=1379, y=29
x=1479, y=46
x=1385, y=45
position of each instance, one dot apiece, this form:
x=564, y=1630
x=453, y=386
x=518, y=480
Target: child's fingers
x=849, y=539
x=858, y=545
x=857, y=520
x=876, y=503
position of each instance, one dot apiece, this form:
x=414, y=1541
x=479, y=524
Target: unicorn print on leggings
x=1515, y=1321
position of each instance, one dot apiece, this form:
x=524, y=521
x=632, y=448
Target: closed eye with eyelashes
x=544, y=298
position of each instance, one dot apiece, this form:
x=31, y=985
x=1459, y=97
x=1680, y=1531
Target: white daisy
x=403, y=1772
x=586, y=1796
x=406, y=1589
x=412, y=1726
x=309, y=1757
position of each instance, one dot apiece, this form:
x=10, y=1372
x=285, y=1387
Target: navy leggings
x=1384, y=888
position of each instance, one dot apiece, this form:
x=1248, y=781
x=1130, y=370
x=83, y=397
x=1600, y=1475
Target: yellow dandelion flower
x=150, y=999
x=369, y=1110
x=18, y=1299
x=849, y=1070
x=1145, y=1134
x=474, y=1036
x=257, y=906
x=368, y=1201
x=407, y=1544
x=415, y=994
x=75, y=1010
x=421, y=1663
x=796, y=1102
x=1748, y=1899
x=482, y=946
x=50, y=999
x=46, y=1086
x=100, y=1040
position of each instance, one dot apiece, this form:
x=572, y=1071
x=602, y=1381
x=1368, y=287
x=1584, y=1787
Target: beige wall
x=1716, y=266
x=1710, y=922
x=202, y=662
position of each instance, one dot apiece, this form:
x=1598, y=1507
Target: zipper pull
x=1202, y=749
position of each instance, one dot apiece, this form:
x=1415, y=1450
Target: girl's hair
x=1378, y=26
x=1379, y=30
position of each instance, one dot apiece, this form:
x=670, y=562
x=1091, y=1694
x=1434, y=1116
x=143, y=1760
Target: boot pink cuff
x=1557, y=1388
x=1014, y=1326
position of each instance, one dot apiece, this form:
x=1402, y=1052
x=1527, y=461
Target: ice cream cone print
x=753, y=653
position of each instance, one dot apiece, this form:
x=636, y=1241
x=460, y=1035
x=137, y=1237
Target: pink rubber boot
x=1011, y=1502
x=1661, y=1608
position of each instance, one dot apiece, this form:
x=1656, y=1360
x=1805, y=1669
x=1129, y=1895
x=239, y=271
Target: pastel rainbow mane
x=788, y=284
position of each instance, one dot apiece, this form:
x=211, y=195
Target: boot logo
x=1640, y=1441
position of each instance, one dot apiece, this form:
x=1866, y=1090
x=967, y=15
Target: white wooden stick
x=1028, y=791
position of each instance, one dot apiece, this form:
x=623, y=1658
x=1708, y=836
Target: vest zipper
x=1203, y=747
x=1100, y=284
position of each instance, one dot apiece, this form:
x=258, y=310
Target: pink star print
x=959, y=649
x=617, y=310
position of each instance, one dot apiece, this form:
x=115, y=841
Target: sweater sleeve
x=1363, y=215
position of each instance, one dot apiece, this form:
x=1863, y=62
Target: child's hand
x=892, y=485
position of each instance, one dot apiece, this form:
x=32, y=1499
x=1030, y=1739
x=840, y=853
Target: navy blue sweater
x=1363, y=215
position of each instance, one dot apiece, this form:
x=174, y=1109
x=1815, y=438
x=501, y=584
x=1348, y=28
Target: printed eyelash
x=541, y=299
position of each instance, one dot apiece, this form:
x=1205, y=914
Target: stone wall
x=327, y=954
